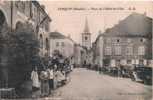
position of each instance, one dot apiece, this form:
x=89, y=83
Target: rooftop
x=133, y=25
x=40, y=7
x=57, y=35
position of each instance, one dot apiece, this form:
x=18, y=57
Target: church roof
x=134, y=25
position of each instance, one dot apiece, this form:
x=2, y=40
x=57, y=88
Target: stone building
x=15, y=14
x=63, y=44
x=127, y=43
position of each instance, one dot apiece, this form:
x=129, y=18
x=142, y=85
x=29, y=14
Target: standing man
x=51, y=77
x=44, y=83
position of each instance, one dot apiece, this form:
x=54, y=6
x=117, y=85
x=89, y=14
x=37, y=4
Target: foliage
x=20, y=48
x=24, y=47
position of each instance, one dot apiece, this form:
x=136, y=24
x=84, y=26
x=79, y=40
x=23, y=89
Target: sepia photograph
x=76, y=49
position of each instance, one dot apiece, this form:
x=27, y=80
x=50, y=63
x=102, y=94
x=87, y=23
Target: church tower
x=86, y=36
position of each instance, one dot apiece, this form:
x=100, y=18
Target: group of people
x=43, y=80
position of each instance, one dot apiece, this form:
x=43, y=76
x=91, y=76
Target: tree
x=24, y=48
x=3, y=55
x=20, y=48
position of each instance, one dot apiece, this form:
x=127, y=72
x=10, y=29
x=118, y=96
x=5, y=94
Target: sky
x=68, y=17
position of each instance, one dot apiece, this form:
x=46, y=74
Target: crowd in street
x=46, y=79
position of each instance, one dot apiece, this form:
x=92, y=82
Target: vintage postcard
x=76, y=50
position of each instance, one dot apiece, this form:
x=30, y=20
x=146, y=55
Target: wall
x=67, y=50
x=15, y=12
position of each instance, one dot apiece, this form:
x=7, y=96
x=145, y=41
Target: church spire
x=86, y=29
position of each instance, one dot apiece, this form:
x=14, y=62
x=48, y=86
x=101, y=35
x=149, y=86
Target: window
x=117, y=50
x=63, y=44
x=118, y=62
x=128, y=40
x=141, y=50
x=38, y=16
x=19, y=25
x=34, y=12
x=47, y=44
x=129, y=51
x=17, y=4
x=27, y=8
x=42, y=16
x=118, y=40
x=141, y=62
x=108, y=51
x=86, y=38
x=141, y=40
x=46, y=25
x=129, y=61
x=108, y=40
x=41, y=41
x=20, y=5
x=57, y=44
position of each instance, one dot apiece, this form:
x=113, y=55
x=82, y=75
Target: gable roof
x=57, y=35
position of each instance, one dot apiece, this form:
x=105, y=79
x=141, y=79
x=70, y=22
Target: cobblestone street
x=90, y=85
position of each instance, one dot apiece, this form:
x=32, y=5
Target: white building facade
x=61, y=43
